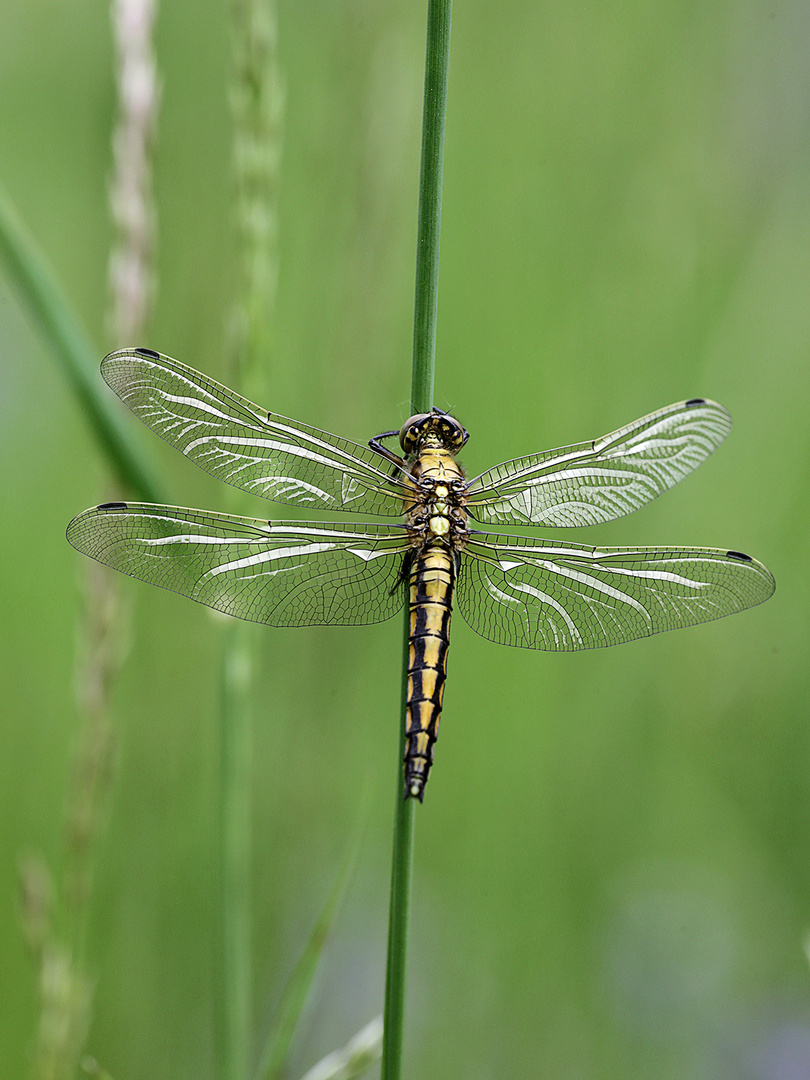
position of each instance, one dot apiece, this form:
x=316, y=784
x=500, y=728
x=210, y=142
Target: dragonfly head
x=435, y=428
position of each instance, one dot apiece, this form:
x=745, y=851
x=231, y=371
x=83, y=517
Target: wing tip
x=128, y=354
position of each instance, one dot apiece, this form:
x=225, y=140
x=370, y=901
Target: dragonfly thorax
x=436, y=510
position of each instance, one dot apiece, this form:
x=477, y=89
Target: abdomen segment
x=431, y=597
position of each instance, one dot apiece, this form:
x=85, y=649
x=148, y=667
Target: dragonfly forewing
x=541, y=595
x=593, y=482
x=286, y=573
x=244, y=445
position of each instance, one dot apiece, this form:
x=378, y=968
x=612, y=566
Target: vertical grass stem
x=430, y=203
x=256, y=99
x=424, y=348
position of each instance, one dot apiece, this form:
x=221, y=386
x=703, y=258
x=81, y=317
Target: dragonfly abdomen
x=431, y=599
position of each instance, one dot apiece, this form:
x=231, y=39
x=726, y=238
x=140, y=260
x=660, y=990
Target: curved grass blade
x=71, y=343
x=273, y=1056
x=354, y=1059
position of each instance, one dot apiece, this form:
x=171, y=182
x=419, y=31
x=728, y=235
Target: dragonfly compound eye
x=413, y=431
x=452, y=434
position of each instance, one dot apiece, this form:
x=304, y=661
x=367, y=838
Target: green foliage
x=611, y=876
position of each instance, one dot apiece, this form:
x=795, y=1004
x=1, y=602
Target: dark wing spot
x=696, y=401
x=112, y=506
x=149, y=352
x=739, y=555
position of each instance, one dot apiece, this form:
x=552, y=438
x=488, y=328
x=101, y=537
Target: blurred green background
x=622, y=887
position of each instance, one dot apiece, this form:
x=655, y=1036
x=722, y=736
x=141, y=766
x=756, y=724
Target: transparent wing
x=541, y=595
x=597, y=481
x=286, y=573
x=244, y=445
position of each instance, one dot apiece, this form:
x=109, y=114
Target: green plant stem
x=256, y=107
x=399, y=915
x=37, y=283
x=232, y=997
x=424, y=349
x=434, y=112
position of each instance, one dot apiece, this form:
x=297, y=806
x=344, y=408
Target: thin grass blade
x=354, y=1059
x=45, y=298
x=273, y=1058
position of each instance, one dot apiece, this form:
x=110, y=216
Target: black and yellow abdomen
x=432, y=576
x=436, y=520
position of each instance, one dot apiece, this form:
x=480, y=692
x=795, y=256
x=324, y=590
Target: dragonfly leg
x=389, y=455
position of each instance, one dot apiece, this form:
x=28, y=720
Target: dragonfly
x=513, y=590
